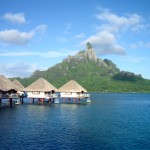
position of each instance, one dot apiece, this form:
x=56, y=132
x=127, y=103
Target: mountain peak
x=84, y=55
x=91, y=55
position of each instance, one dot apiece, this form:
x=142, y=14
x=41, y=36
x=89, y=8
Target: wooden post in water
x=22, y=100
x=64, y=99
x=42, y=100
x=79, y=100
x=49, y=101
x=0, y=102
x=39, y=101
x=10, y=101
x=33, y=100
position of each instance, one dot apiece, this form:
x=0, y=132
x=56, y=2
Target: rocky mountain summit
x=87, y=55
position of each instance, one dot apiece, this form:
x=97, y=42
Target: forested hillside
x=93, y=73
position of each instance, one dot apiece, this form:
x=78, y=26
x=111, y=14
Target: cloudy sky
x=40, y=33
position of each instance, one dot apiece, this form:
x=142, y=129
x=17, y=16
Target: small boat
x=56, y=101
x=18, y=102
x=88, y=100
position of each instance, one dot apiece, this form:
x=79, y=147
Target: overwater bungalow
x=8, y=90
x=19, y=86
x=20, y=91
x=42, y=89
x=73, y=90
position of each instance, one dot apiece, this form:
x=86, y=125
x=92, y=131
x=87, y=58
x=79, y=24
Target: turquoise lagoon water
x=109, y=122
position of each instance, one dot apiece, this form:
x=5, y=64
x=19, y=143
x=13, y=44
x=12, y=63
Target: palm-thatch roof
x=6, y=84
x=40, y=85
x=18, y=85
x=72, y=86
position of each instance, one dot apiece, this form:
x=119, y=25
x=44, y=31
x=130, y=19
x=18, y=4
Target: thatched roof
x=18, y=85
x=71, y=86
x=6, y=84
x=41, y=85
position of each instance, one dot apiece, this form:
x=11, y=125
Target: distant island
x=93, y=73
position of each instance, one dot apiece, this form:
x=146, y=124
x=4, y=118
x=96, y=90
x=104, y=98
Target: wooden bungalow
x=19, y=86
x=20, y=91
x=42, y=89
x=73, y=90
x=8, y=90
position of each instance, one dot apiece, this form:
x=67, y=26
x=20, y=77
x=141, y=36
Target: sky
x=37, y=34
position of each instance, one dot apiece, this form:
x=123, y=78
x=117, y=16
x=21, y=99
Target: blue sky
x=37, y=34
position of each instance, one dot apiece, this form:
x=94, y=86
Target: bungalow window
x=48, y=93
x=68, y=93
x=36, y=93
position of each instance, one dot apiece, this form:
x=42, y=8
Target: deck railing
x=55, y=95
x=14, y=96
x=84, y=95
x=6, y=96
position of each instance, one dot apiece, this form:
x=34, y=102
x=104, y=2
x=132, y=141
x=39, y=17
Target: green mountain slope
x=93, y=73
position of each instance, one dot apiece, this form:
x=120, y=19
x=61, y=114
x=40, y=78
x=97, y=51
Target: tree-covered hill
x=93, y=73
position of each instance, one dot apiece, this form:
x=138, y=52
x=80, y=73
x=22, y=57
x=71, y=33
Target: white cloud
x=113, y=22
x=140, y=44
x=40, y=29
x=23, y=69
x=79, y=36
x=46, y=54
x=15, y=54
x=18, y=18
x=105, y=43
x=111, y=27
x=62, y=39
x=16, y=37
x=136, y=59
x=19, y=69
x=133, y=59
x=67, y=28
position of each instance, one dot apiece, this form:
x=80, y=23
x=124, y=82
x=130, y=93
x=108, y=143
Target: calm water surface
x=111, y=121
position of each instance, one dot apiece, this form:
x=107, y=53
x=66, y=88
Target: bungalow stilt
x=22, y=101
x=10, y=101
x=42, y=101
x=79, y=100
x=39, y=100
x=0, y=102
x=33, y=100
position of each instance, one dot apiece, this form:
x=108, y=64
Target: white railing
x=84, y=95
x=51, y=95
x=5, y=96
x=14, y=96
